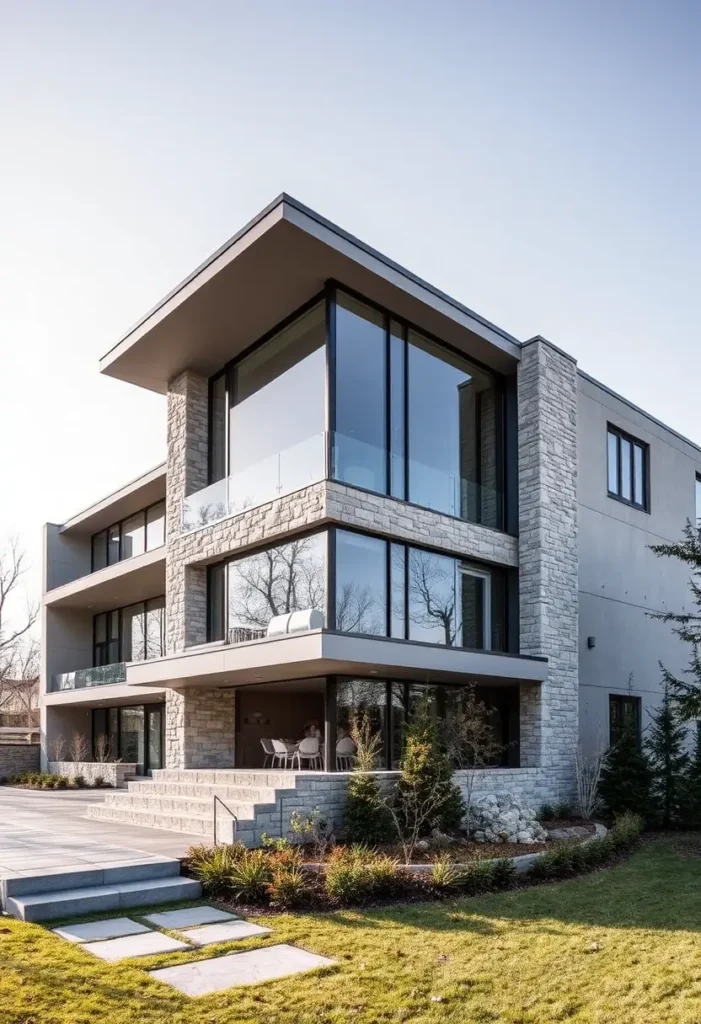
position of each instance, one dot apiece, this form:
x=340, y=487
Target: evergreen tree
x=626, y=778
x=427, y=777
x=691, y=786
x=366, y=818
x=668, y=758
x=686, y=692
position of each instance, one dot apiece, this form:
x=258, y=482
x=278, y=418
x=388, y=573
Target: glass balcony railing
x=85, y=677
x=290, y=470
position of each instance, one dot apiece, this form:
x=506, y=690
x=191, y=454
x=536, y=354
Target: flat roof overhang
x=135, y=579
x=277, y=262
x=321, y=653
x=109, y=695
x=145, y=490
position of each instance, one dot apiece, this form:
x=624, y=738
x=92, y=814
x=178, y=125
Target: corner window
x=627, y=469
x=624, y=717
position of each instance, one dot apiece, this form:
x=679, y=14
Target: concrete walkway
x=46, y=832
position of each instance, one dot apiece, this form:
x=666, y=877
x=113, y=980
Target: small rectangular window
x=156, y=526
x=627, y=469
x=698, y=500
x=624, y=717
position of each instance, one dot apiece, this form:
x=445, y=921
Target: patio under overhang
x=276, y=263
x=326, y=653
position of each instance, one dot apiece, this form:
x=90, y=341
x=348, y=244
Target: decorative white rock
x=499, y=818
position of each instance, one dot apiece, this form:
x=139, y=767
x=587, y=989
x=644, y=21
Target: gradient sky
x=540, y=161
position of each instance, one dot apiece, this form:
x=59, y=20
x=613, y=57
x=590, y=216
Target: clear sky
x=540, y=161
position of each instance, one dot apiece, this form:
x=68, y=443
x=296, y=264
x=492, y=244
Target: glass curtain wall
x=132, y=734
x=134, y=633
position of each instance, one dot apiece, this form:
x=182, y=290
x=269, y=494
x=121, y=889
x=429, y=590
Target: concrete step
x=182, y=805
x=192, y=824
x=55, y=881
x=64, y=903
x=237, y=794
x=228, y=777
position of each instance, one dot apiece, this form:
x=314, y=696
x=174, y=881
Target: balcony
x=83, y=678
x=283, y=473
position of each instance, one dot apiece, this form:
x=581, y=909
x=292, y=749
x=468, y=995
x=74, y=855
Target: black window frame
x=617, y=730
x=697, y=500
x=143, y=512
x=506, y=437
x=104, y=644
x=623, y=435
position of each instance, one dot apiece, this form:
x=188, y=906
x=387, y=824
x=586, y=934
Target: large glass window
x=432, y=598
x=698, y=500
x=360, y=440
x=361, y=583
x=624, y=717
x=143, y=531
x=132, y=747
x=278, y=413
x=627, y=469
x=133, y=633
x=361, y=701
x=286, y=578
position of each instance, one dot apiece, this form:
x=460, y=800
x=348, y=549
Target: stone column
x=186, y=588
x=548, y=553
x=199, y=728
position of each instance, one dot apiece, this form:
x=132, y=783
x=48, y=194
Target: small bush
x=78, y=781
x=98, y=782
x=358, y=873
x=503, y=873
x=250, y=875
x=365, y=818
x=4, y=780
x=212, y=865
x=288, y=888
x=626, y=832
x=386, y=876
x=546, y=812
x=61, y=782
x=476, y=878
x=598, y=850
x=445, y=875
x=48, y=781
x=563, y=810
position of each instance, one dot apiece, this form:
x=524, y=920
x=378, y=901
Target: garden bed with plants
x=46, y=780
x=276, y=876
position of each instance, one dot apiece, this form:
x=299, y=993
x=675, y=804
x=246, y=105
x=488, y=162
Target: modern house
x=370, y=494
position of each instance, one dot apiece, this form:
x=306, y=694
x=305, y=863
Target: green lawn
x=621, y=945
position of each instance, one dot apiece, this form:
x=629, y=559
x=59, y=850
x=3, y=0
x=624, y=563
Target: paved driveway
x=43, y=832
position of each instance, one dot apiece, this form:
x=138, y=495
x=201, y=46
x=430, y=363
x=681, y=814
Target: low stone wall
x=16, y=758
x=112, y=773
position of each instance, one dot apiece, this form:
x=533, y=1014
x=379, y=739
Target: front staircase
x=248, y=803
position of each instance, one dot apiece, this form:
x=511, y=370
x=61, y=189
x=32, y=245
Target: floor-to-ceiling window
x=133, y=734
x=133, y=633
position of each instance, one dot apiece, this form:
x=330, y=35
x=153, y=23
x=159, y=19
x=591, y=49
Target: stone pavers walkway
x=46, y=832
x=122, y=938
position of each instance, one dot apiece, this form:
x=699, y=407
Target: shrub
x=250, y=876
x=503, y=873
x=627, y=778
x=445, y=875
x=669, y=761
x=366, y=818
x=546, y=812
x=98, y=782
x=61, y=782
x=4, y=780
x=597, y=850
x=78, y=781
x=311, y=828
x=555, y=863
x=563, y=810
x=626, y=832
x=476, y=877
x=355, y=874
x=212, y=865
x=288, y=887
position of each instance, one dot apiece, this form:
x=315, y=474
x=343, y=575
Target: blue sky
x=540, y=161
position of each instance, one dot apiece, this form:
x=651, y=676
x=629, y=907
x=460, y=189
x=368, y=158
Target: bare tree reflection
x=282, y=579
x=432, y=592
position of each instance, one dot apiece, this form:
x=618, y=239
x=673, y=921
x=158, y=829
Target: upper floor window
x=134, y=633
x=346, y=390
x=359, y=583
x=628, y=469
x=698, y=500
x=140, y=532
x=624, y=717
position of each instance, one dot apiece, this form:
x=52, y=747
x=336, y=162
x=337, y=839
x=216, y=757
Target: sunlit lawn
x=621, y=945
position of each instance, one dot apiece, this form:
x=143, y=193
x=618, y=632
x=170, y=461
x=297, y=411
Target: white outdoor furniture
x=308, y=750
x=269, y=752
x=345, y=754
x=281, y=754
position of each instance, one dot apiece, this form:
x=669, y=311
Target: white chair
x=308, y=750
x=281, y=754
x=345, y=754
x=269, y=752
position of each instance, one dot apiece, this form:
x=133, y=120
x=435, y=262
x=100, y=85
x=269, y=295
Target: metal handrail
x=218, y=800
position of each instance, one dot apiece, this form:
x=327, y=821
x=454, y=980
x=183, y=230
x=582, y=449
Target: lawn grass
x=620, y=945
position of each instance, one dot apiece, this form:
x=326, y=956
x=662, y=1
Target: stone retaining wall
x=112, y=773
x=16, y=758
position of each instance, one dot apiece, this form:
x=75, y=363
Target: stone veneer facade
x=200, y=722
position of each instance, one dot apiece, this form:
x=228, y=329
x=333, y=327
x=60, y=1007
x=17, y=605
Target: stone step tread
x=186, y=805
x=227, y=777
x=53, y=881
x=245, y=794
x=72, y=902
x=189, y=823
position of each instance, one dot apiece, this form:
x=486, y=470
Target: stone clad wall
x=16, y=758
x=112, y=773
x=199, y=728
x=548, y=553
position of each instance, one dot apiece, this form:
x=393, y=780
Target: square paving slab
x=112, y=928
x=226, y=932
x=206, y=976
x=187, y=918
x=135, y=945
